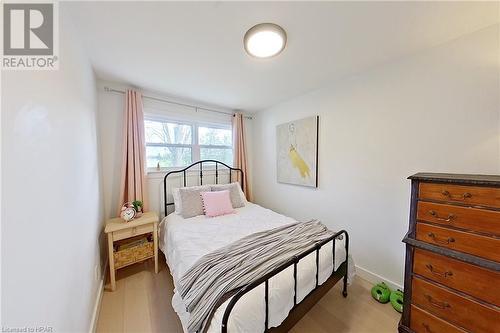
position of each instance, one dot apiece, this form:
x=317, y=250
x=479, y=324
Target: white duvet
x=184, y=241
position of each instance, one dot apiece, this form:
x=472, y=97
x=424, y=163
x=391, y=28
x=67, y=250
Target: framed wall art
x=297, y=152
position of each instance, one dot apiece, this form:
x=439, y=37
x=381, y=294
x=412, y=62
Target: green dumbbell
x=397, y=300
x=381, y=292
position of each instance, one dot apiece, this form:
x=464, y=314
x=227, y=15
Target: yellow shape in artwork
x=298, y=162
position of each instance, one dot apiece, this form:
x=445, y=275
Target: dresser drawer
x=481, y=246
x=474, y=219
x=479, y=282
x=423, y=322
x=131, y=232
x=477, y=196
x=454, y=308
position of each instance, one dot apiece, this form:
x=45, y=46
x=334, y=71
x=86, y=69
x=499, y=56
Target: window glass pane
x=219, y=154
x=160, y=132
x=215, y=136
x=167, y=156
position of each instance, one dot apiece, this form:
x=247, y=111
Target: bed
x=270, y=303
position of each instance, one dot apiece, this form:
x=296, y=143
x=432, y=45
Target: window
x=216, y=143
x=176, y=144
x=169, y=144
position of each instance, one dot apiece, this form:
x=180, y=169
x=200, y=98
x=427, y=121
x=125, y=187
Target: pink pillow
x=216, y=203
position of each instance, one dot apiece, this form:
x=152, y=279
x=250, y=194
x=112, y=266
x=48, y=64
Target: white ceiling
x=194, y=50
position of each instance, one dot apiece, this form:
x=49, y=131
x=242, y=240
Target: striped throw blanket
x=240, y=263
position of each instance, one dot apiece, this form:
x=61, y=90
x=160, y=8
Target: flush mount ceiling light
x=265, y=40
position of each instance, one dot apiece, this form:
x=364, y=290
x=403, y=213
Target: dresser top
x=457, y=178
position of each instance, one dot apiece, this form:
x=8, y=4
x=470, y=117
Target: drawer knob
x=427, y=328
x=437, y=217
x=440, y=241
x=437, y=304
x=438, y=273
x=464, y=196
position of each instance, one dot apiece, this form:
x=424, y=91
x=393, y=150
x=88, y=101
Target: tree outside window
x=176, y=144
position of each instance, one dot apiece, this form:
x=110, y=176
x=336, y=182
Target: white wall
x=436, y=111
x=110, y=123
x=51, y=198
x=111, y=108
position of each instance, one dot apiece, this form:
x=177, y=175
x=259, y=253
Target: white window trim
x=195, y=146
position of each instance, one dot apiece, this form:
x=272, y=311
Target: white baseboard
x=375, y=278
x=97, y=304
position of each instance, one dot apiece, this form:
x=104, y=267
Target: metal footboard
x=293, y=261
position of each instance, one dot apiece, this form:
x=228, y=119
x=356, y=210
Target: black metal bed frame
x=184, y=173
x=293, y=261
x=340, y=272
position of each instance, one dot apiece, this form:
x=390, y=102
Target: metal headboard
x=200, y=163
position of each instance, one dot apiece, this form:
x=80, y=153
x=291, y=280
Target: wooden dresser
x=452, y=270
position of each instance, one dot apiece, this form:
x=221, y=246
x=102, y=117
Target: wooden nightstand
x=137, y=250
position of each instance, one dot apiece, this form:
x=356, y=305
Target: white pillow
x=243, y=197
x=237, y=197
x=177, y=200
x=177, y=197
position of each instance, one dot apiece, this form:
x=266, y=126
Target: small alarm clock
x=127, y=212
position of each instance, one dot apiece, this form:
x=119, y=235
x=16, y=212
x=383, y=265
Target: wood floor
x=142, y=303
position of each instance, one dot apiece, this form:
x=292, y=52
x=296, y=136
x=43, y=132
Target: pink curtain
x=133, y=184
x=240, y=152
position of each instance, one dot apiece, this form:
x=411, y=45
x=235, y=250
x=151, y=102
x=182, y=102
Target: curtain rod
x=195, y=107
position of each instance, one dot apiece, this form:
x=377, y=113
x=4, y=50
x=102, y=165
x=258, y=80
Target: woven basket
x=134, y=254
